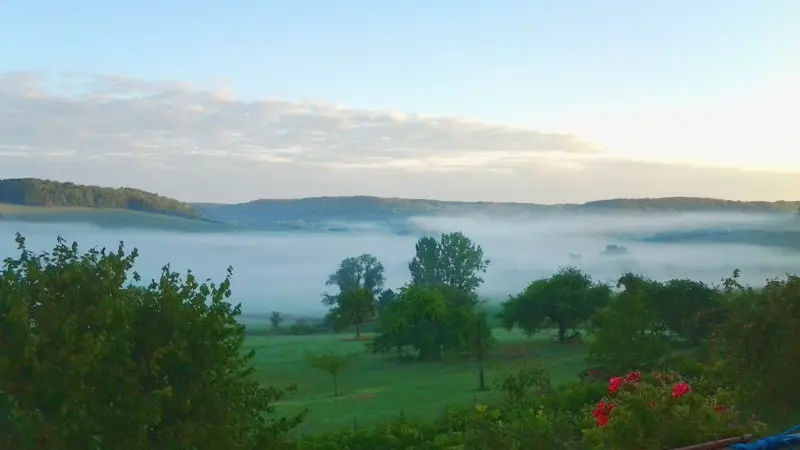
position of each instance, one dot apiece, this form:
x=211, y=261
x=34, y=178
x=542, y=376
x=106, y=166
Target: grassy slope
x=376, y=388
x=106, y=218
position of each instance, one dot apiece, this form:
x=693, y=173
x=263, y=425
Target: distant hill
x=46, y=201
x=316, y=212
x=36, y=200
x=48, y=193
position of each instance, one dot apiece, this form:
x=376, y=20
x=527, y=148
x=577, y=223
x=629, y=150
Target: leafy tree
x=330, y=363
x=355, y=307
x=385, y=298
x=623, y=338
x=690, y=309
x=760, y=341
x=275, y=319
x=363, y=271
x=453, y=261
x=567, y=299
x=422, y=317
x=87, y=360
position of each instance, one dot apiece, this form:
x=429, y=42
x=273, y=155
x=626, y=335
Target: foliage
x=454, y=261
x=385, y=298
x=37, y=192
x=625, y=335
x=363, y=271
x=429, y=319
x=88, y=360
x=331, y=363
x=275, y=319
x=760, y=341
x=354, y=307
x=568, y=299
x=661, y=412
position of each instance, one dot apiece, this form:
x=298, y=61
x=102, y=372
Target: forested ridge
x=48, y=193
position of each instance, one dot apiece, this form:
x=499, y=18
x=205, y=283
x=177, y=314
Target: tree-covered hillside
x=308, y=212
x=47, y=193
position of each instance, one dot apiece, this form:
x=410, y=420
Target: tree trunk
x=358, y=330
x=481, y=377
x=562, y=333
x=335, y=386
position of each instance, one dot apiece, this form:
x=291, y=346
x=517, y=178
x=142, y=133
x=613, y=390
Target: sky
x=536, y=101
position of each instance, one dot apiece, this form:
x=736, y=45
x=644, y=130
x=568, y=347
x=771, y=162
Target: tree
x=364, y=271
x=568, y=299
x=426, y=319
x=330, y=363
x=691, y=309
x=480, y=340
x=275, y=319
x=88, y=360
x=355, y=307
x=454, y=261
x=760, y=341
x=628, y=334
x=386, y=298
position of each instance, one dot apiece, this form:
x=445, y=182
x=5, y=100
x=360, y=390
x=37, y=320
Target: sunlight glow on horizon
x=757, y=132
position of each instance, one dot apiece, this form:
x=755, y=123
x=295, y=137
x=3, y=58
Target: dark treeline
x=46, y=193
x=89, y=361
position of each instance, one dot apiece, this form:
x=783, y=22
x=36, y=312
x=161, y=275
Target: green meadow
x=377, y=388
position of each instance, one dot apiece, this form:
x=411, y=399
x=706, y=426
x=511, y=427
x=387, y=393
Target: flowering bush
x=661, y=411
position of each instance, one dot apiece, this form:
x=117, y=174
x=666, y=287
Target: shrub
x=661, y=412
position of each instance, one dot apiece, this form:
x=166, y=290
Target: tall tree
x=355, y=307
x=363, y=271
x=453, y=261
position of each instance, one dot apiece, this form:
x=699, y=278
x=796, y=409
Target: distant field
x=376, y=388
x=106, y=218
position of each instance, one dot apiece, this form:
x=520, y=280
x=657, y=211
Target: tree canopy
x=47, y=193
x=90, y=360
x=454, y=260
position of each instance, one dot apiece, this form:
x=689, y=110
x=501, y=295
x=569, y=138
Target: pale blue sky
x=639, y=80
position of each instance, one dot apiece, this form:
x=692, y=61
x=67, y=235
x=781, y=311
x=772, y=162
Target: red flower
x=720, y=409
x=602, y=412
x=614, y=384
x=633, y=377
x=681, y=389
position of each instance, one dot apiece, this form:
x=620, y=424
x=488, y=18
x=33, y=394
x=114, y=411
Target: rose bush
x=661, y=411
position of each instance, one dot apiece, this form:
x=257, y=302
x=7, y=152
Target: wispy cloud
x=209, y=145
x=114, y=117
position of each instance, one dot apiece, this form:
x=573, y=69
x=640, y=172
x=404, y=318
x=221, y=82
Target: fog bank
x=287, y=271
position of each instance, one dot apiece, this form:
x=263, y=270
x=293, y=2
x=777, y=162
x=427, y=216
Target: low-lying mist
x=287, y=271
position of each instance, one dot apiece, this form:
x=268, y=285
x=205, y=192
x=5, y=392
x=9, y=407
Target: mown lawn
x=376, y=388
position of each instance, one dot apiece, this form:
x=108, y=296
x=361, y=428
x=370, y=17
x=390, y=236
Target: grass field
x=106, y=218
x=376, y=388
